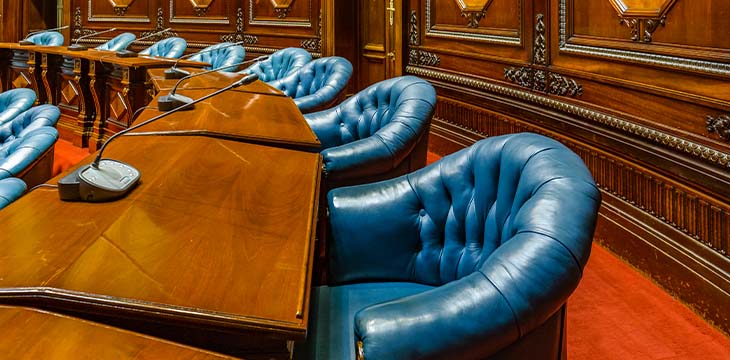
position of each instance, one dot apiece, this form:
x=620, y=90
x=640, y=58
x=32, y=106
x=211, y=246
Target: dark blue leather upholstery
x=119, y=42
x=318, y=84
x=15, y=101
x=222, y=57
x=172, y=47
x=10, y=190
x=502, y=230
x=24, y=139
x=279, y=64
x=379, y=133
x=48, y=38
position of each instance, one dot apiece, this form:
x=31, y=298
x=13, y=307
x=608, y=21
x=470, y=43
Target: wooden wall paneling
x=372, y=38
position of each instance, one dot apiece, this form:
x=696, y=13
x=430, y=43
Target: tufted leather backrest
x=48, y=38
x=317, y=84
x=486, y=208
x=26, y=138
x=119, y=42
x=280, y=64
x=172, y=47
x=10, y=190
x=374, y=130
x=221, y=57
x=15, y=101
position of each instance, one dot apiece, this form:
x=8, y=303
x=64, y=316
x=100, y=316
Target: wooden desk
x=214, y=245
x=215, y=80
x=33, y=334
x=96, y=91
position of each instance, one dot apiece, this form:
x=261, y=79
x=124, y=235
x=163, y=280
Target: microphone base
x=76, y=47
x=126, y=54
x=111, y=180
x=175, y=73
x=170, y=102
x=26, y=42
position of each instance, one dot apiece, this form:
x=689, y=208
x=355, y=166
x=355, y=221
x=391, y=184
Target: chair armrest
x=521, y=285
x=465, y=319
x=10, y=190
x=29, y=149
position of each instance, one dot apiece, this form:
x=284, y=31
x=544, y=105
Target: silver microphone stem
x=94, y=33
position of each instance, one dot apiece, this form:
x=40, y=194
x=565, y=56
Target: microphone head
x=246, y=80
x=174, y=101
x=76, y=47
x=126, y=53
x=175, y=73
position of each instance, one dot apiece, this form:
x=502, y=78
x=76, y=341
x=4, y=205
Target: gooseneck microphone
x=175, y=73
x=25, y=40
x=76, y=47
x=107, y=179
x=173, y=100
x=129, y=53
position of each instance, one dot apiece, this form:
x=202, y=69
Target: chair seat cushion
x=332, y=312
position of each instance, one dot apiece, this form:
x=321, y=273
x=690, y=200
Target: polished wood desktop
x=214, y=80
x=216, y=242
x=34, y=334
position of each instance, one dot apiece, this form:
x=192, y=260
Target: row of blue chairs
x=26, y=134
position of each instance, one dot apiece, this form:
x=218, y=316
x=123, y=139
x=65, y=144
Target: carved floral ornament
x=473, y=11
x=643, y=17
x=120, y=6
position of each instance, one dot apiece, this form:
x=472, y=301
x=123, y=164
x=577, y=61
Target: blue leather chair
x=15, y=101
x=48, y=38
x=26, y=141
x=318, y=84
x=221, y=57
x=379, y=133
x=172, y=47
x=119, y=42
x=472, y=257
x=279, y=64
x=10, y=190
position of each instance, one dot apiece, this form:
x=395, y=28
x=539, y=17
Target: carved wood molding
x=201, y=6
x=644, y=58
x=539, y=48
x=239, y=36
x=699, y=151
x=657, y=195
x=282, y=7
x=719, y=125
x=120, y=6
x=644, y=18
x=416, y=56
x=472, y=35
x=314, y=44
x=473, y=11
x=78, y=26
x=160, y=25
x=543, y=81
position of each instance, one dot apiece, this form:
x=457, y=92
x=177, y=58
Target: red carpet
x=65, y=155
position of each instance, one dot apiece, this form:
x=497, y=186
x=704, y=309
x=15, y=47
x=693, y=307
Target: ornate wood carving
x=416, y=56
x=314, y=44
x=642, y=17
x=282, y=7
x=201, y=6
x=719, y=125
x=120, y=6
x=239, y=35
x=539, y=49
x=473, y=11
x=160, y=25
x=78, y=26
x=543, y=81
x=693, y=149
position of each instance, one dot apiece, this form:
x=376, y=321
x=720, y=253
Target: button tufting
x=422, y=212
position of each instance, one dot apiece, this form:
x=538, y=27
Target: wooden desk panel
x=218, y=233
x=34, y=334
x=214, y=80
x=238, y=114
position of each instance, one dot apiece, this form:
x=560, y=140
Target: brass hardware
x=391, y=55
x=391, y=11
